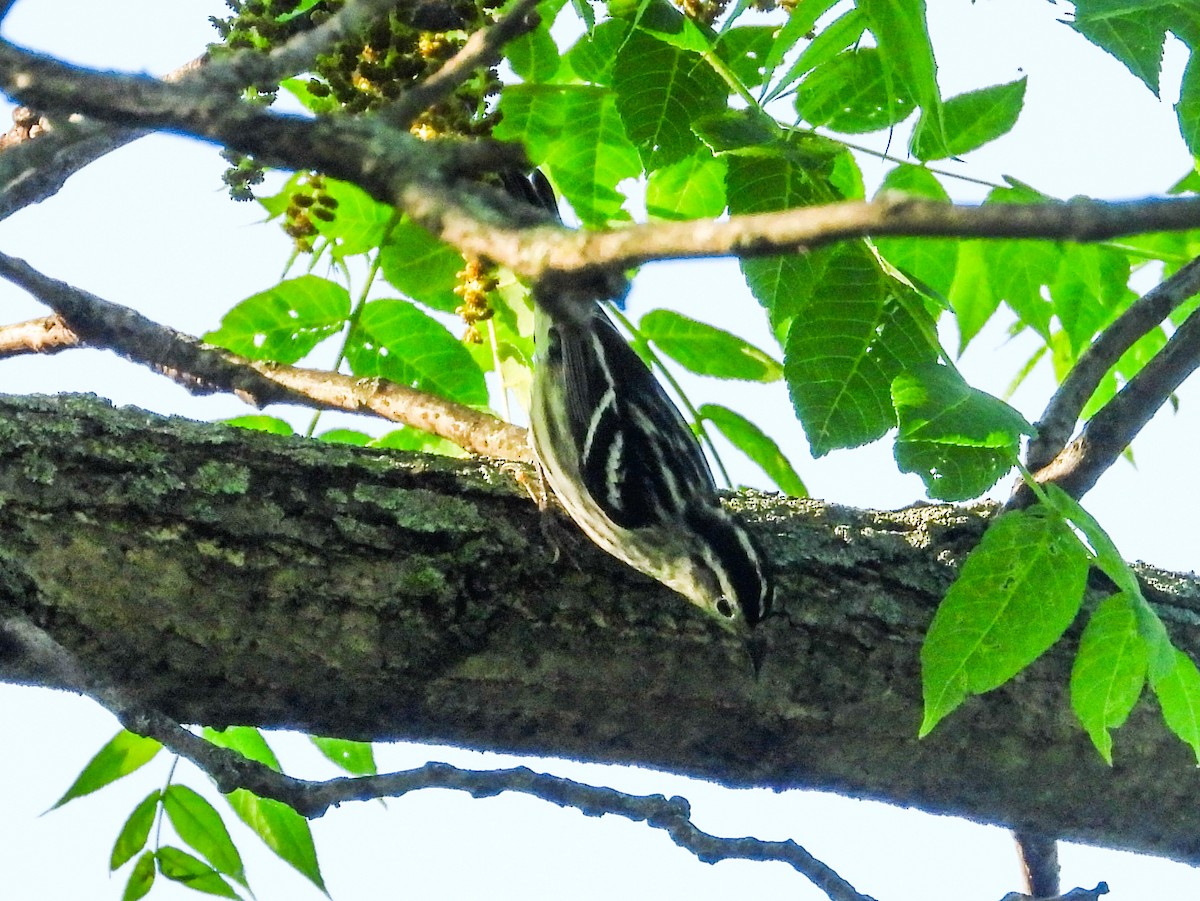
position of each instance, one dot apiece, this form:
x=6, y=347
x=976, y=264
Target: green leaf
x=1109, y=671
x=592, y=156
x=125, y=753
x=141, y=878
x=355, y=757
x=132, y=837
x=801, y=20
x=198, y=824
x=844, y=31
x=669, y=25
x=845, y=346
x=1016, y=594
x=360, y=222
x=746, y=50
x=302, y=90
x=1113, y=565
x=707, y=350
x=930, y=261
x=902, y=34
x=285, y=322
x=757, y=445
x=733, y=129
x=412, y=439
x=761, y=184
x=971, y=293
x=421, y=266
x=959, y=440
x=1178, y=695
x=591, y=58
x=534, y=55
x=1091, y=287
x=851, y=94
x=256, y=423
x=1133, y=33
x=181, y=867
x=693, y=188
x=282, y=830
x=970, y=121
x=395, y=340
x=659, y=90
x=246, y=740
x=1187, y=110
x=345, y=436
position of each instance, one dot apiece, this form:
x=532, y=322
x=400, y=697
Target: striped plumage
x=623, y=462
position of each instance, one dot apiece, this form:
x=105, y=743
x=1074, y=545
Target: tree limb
x=203, y=368
x=1146, y=313
x=1039, y=862
x=403, y=596
x=1106, y=435
x=423, y=179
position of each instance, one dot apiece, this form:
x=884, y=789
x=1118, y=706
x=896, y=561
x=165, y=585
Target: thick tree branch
x=422, y=179
x=203, y=368
x=405, y=596
x=1148, y=312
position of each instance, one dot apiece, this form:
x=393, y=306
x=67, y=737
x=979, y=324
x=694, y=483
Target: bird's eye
x=725, y=608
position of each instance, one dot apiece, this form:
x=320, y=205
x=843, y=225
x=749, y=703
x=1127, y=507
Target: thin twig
x=483, y=48
x=46, y=335
x=36, y=650
x=1063, y=411
x=203, y=368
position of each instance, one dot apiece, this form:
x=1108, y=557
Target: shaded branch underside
x=228, y=577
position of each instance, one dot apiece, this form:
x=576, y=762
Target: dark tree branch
x=36, y=652
x=1106, y=435
x=1039, y=862
x=422, y=178
x=36, y=162
x=1063, y=411
x=203, y=368
x=483, y=48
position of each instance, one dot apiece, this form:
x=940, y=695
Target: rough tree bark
x=232, y=577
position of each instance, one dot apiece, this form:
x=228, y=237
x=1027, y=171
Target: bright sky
x=150, y=227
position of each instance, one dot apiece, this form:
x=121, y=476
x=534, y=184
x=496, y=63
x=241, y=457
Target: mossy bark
x=227, y=577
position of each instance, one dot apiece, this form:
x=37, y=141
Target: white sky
x=150, y=227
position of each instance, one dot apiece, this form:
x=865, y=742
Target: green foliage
x=1016, y=594
x=707, y=350
x=959, y=440
x=1109, y=671
x=355, y=757
x=285, y=322
x=757, y=445
x=124, y=754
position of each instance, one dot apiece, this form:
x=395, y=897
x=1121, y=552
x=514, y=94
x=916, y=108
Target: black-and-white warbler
x=622, y=460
